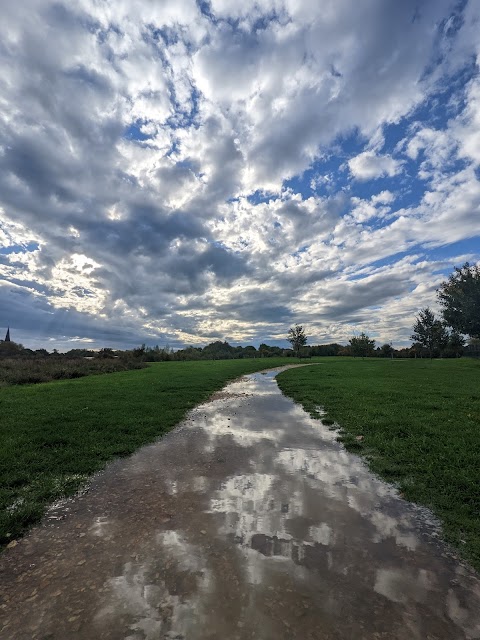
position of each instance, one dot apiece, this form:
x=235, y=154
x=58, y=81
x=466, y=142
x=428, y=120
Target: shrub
x=32, y=371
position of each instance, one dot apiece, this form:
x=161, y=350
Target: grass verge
x=54, y=436
x=420, y=428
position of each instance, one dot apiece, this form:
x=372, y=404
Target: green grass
x=420, y=422
x=54, y=436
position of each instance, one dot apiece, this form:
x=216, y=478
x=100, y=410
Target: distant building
x=7, y=337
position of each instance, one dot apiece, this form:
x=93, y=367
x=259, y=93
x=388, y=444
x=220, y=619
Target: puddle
x=249, y=520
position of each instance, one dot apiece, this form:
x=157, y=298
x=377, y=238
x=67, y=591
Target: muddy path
x=248, y=520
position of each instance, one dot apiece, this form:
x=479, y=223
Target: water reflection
x=275, y=503
x=160, y=599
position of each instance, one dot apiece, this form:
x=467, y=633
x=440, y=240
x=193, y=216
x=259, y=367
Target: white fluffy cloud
x=145, y=155
x=368, y=166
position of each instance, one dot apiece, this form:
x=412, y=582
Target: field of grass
x=54, y=435
x=420, y=422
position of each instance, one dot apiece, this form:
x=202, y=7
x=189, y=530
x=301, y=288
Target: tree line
x=218, y=350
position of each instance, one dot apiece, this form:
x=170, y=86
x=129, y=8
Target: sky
x=184, y=171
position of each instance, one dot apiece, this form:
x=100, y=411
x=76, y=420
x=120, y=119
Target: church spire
x=7, y=337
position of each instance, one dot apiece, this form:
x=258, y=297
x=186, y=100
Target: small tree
x=429, y=332
x=460, y=299
x=362, y=345
x=297, y=338
x=386, y=351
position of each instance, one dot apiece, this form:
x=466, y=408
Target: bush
x=32, y=371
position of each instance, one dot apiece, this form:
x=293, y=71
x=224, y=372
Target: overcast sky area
x=177, y=172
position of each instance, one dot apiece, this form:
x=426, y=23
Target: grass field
x=420, y=422
x=54, y=435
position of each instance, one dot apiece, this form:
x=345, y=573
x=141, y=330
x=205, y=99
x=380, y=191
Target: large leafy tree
x=460, y=299
x=429, y=332
x=362, y=345
x=297, y=338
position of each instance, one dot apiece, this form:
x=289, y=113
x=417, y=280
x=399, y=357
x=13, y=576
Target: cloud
x=368, y=166
x=172, y=173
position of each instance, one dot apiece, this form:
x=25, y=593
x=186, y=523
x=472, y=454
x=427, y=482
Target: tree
x=139, y=352
x=473, y=348
x=361, y=345
x=325, y=349
x=417, y=350
x=9, y=349
x=456, y=343
x=460, y=299
x=267, y=351
x=429, y=332
x=297, y=338
x=386, y=351
x=250, y=352
x=107, y=352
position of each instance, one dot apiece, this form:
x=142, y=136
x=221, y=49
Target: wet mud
x=248, y=520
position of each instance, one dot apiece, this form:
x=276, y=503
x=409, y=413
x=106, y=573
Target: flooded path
x=249, y=520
